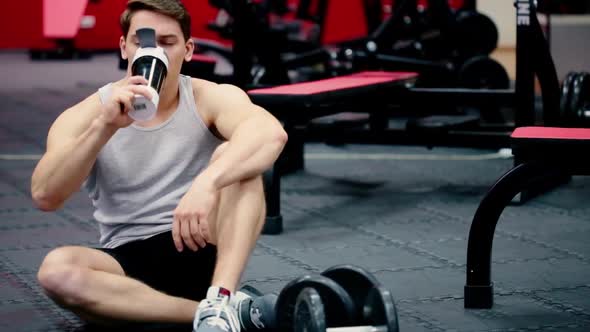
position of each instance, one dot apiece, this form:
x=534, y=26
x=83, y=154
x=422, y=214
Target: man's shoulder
x=201, y=87
x=208, y=89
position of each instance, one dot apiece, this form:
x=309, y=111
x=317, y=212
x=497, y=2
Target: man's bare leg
x=92, y=284
x=234, y=226
x=239, y=219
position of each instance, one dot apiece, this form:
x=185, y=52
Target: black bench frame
x=534, y=171
x=536, y=160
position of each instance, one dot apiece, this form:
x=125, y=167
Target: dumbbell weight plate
x=339, y=307
x=474, y=34
x=565, y=114
x=309, y=312
x=356, y=281
x=483, y=72
x=579, y=99
x=379, y=309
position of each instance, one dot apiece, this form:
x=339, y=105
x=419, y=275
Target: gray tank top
x=141, y=174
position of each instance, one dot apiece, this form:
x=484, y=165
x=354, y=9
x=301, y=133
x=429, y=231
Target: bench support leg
x=272, y=194
x=291, y=159
x=479, y=287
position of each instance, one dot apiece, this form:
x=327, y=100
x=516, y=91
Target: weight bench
x=297, y=104
x=540, y=152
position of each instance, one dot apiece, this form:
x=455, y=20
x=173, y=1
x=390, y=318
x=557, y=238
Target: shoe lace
x=230, y=323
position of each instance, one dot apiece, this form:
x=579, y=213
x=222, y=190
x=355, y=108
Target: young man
x=179, y=198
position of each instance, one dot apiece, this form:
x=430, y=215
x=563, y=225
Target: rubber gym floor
x=401, y=212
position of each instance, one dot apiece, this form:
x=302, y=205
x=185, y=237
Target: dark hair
x=171, y=8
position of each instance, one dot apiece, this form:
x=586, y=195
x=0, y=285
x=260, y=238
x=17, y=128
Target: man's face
x=168, y=36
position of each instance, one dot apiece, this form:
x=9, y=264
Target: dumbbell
x=574, y=106
x=580, y=99
x=356, y=281
x=379, y=313
x=564, y=101
x=352, y=294
x=482, y=72
x=473, y=33
x=340, y=312
x=360, y=285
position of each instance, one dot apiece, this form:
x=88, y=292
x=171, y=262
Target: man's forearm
x=61, y=172
x=252, y=149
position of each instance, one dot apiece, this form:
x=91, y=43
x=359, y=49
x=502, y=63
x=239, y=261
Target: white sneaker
x=215, y=313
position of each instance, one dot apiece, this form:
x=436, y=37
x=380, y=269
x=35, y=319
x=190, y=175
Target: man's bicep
x=73, y=122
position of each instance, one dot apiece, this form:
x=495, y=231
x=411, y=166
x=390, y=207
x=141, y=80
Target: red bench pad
x=565, y=147
x=552, y=133
x=337, y=83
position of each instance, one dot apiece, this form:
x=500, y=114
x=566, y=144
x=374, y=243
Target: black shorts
x=157, y=263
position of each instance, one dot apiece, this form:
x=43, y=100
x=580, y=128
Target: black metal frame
x=552, y=160
x=479, y=288
x=534, y=171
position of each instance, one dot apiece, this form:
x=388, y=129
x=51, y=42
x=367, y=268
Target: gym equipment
x=298, y=104
x=272, y=188
x=339, y=313
x=545, y=153
x=434, y=43
x=473, y=33
x=574, y=102
x=482, y=72
x=357, y=282
x=565, y=97
x=402, y=42
x=258, y=302
x=379, y=313
x=251, y=29
x=580, y=100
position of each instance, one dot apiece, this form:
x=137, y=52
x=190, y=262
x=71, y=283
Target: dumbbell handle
x=358, y=329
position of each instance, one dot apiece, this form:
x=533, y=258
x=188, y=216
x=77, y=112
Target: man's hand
x=191, y=217
x=116, y=109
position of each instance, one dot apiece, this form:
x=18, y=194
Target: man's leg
x=93, y=285
x=239, y=218
x=234, y=227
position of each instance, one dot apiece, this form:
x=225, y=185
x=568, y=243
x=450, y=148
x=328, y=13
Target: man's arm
x=75, y=139
x=73, y=142
x=255, y=137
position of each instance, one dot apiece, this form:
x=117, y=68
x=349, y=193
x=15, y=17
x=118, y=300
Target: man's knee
x=62, y=279
x=253, y=184
x=62, y=255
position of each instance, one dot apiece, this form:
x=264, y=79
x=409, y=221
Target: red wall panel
x=21, y=23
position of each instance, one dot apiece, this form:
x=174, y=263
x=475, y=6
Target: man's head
x=170, y=20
